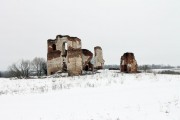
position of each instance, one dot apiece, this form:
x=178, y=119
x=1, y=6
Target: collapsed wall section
x=87, y=57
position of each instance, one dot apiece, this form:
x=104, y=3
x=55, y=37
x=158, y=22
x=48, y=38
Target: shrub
x=169, y=72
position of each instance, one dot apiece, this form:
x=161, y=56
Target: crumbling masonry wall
x=53, y=57
x=128, y=63
x=87, y=57
x=74, y=66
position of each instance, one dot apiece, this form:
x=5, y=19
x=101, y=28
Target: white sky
x=148, y=28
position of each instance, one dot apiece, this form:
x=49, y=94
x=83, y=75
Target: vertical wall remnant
x=53, y=57
x=98, y=58
x=128, y=63
x=74, y=62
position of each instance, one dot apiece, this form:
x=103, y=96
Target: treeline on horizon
x=165, y=69
x=38, y=67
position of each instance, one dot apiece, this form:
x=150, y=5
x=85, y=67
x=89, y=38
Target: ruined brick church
x=65, y=54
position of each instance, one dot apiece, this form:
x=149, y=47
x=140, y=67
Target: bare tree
x=25, y=67
x=14, y=70
x=20, y=69
x=39, y=66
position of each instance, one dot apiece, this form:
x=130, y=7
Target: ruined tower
x=98, y=58
x=128, y=63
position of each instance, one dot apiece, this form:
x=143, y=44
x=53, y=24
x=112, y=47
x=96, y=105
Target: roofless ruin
x=65, y=54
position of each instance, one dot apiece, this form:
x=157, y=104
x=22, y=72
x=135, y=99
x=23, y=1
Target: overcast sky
x=148, y=28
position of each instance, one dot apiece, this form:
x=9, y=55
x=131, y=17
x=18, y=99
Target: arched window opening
x=54, y=47
x=65, y=46
x=64, y=49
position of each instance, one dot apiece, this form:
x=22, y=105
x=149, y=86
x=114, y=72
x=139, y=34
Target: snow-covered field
x=108, y=95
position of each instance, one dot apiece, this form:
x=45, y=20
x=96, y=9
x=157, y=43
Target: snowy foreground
x=108, y=95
